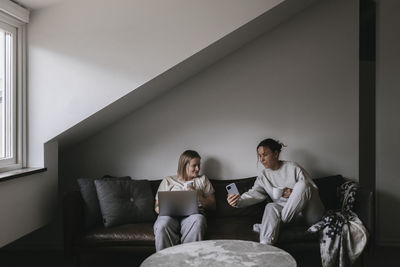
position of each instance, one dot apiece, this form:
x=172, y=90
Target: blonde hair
x=184, y=160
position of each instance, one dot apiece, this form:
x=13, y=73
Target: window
x=7, y=94
x=12, y=86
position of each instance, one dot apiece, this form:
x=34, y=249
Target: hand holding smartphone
x=233, y=195
x=232, y=189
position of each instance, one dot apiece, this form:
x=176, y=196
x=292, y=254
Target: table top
x=212, y=253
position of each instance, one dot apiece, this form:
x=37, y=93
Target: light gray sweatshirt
x=286, y=176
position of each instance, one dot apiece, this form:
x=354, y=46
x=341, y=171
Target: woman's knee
x=199, y=220
x=273, y=207
x=163, y=223
x=301, y=185
x=302, y=189
x=272, y=210
x=196, y=223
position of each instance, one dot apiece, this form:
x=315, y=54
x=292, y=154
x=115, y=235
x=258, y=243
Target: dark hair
x=184, y=159
x=271, y=144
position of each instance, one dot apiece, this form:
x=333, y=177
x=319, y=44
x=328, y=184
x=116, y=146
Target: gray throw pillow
x=87, y=188
x=123, y=202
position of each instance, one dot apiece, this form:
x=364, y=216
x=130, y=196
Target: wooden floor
x=44, y=258
x=388, y=257
x=383, y=257
x=44, y=248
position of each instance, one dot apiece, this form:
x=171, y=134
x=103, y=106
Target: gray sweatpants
x=170, y=231
x=304, y=198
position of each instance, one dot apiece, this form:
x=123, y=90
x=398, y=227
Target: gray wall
x=85, y=54
x=388, y=123
x=298, y=83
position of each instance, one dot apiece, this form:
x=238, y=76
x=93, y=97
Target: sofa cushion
x=92, y=214
x=240, y=228
x=138, y=234
x=296, y=233
x=124, y=202
x=223, y=209
x=328, y=190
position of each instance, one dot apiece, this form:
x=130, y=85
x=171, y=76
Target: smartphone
x=232, y=189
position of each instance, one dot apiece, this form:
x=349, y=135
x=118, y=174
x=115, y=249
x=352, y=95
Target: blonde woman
x=170, y=231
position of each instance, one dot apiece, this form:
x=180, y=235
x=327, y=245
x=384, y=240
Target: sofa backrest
x=154, y=186
x=223, y=209
x=328, y=190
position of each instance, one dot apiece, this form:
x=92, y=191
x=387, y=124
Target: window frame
x=18, y=160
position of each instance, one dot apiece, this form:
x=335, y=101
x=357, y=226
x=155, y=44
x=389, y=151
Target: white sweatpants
x=304, y=198
x=170, y=231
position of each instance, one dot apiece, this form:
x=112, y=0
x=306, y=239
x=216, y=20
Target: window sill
x=9, y=175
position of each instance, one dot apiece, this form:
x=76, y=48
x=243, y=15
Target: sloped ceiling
x=179, y=73
x=84, y=55
x=36, y=4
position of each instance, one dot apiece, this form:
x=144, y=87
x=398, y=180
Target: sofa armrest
x=364, y=208
x=73, y=219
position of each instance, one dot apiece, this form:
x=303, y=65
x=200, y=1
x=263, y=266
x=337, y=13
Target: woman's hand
x=156, y=207
x=287, y=192
x=190, y=188
x=233, y=200
x=200, y=199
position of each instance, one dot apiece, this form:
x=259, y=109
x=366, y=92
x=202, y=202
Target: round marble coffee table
x=218, y=253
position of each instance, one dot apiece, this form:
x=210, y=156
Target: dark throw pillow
x=328, y=190
x=92, y=212
x=123, y=202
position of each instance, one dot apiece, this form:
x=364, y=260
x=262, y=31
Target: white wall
x=23, y=214
x=388, y=124
x=298, y=83
x=29, y=202
x=85, y=54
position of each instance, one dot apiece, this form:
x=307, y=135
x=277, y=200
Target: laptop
x=177, y=203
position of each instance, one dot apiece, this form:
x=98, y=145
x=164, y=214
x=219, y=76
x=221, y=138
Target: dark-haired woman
x=298, y=196
x=170, y=231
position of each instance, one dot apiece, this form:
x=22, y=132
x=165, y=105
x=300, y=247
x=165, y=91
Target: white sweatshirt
x=286, y=176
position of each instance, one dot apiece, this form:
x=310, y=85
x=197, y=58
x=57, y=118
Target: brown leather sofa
x=127, y=245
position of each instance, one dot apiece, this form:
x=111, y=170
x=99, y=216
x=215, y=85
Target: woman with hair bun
x=294, y=195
